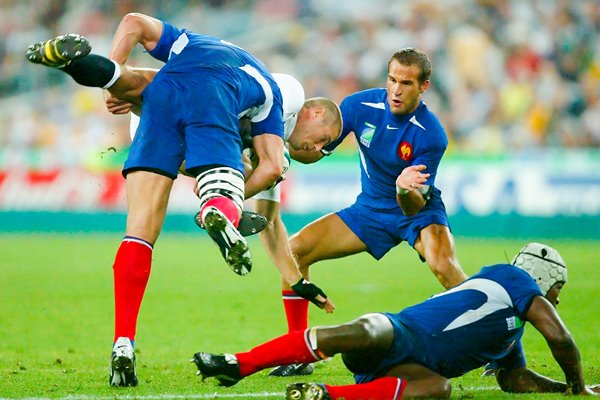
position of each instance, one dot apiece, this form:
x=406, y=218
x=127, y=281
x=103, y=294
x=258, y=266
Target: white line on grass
x=209, y=395
x=164, y=396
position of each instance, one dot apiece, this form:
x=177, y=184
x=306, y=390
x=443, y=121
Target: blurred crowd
x=508, y=75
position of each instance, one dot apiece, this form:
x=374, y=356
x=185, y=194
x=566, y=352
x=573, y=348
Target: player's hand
x=412, y=178
x=117, y=106
x=314, y=294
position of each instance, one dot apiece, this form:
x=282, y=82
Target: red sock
x=226, y=206
x=387, y=388
x=290, y=348
x=296, y=310
x=131, y=271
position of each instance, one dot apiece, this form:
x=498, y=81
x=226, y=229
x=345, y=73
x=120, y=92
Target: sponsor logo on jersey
x=367, y=134
x=405, y=151
x=513, y=323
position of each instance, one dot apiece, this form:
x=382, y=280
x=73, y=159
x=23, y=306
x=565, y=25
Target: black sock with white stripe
x=94, y=71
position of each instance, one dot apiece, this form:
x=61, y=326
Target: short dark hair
x=414, y=56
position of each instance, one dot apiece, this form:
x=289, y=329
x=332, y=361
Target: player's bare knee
x=373, y=331
x=431, y=387
x=440, y=265
x=443, y=264
x=300, y=252
x=441, y=389
x=444, y=389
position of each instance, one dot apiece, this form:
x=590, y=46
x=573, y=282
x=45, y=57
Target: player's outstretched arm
x=524, y=380
x=543, y=316
x=275, y=241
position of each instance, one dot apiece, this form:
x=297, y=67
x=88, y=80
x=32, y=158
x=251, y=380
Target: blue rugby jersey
x=388, y=143
x=186, y=52
x=479, y=321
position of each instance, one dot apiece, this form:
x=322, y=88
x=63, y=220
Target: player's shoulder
x=426, y=118
x=507, y=275
x=502, y=269
x=369, y=98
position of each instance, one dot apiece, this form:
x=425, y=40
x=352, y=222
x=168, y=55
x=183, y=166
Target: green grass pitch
x=56, y=314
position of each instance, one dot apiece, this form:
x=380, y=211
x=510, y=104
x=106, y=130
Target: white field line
x=161, y=396
x=208, y=395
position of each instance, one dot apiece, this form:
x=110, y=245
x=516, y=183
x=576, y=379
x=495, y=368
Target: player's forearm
x=524, y=380
x=275, y=241
x=567, y=355
x=411, y=189
x=263, y=176
x=410, y=202
x=268, y=150
x=260, y=180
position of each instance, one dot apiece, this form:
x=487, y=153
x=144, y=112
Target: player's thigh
x=159, y=142
x=326, y=238
x=421, y=382
x=147, y=200
x=211, y=125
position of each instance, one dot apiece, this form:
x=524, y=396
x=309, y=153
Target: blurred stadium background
x=515, y=83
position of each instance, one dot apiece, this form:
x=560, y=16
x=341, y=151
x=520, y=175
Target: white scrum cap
x=543, y=263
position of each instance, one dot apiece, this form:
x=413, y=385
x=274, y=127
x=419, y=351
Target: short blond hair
x=333, y=114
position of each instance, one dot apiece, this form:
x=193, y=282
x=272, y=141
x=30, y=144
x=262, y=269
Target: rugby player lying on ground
x=414, y=353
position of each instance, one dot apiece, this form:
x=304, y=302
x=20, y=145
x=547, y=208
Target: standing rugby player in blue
x=190, y=111
x=400, y=144
x=414, y=353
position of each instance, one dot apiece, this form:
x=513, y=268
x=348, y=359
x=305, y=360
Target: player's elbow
x=133, y=21
x=143, y=28
x=272, y=171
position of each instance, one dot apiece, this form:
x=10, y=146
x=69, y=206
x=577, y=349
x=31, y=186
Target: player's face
x=403, y=88
x=311, y=133
x=552, y=295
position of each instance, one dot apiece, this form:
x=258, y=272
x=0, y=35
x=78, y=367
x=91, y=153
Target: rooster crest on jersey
x=543, y=263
